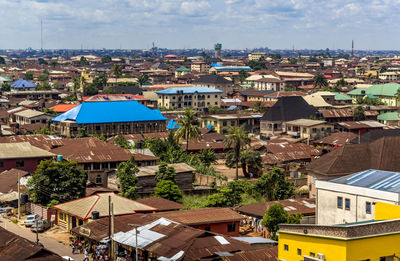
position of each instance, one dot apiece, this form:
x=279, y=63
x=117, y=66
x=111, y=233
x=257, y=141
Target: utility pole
x=136, y=239
x=19, y=196
x=112, y=233
x=37, y=233
x=109, y=217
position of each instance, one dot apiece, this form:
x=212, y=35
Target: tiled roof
x=60, y=108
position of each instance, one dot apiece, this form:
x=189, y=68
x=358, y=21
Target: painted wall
x=221, y=228
x=372, y=248
x=29, y=164
x=385, y=211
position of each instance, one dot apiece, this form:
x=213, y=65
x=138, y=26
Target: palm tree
x=251, y=163
x=320, y=81
x=142, y=79
x=237, y=139
x=76, y=83
x=188, y=127
x=117, y=71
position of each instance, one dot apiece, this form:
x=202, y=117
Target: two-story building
x=198, y=98
x=214, y=82
x=308, y=129
x=221, y=123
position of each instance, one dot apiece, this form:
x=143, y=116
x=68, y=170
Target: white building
x=352, y=198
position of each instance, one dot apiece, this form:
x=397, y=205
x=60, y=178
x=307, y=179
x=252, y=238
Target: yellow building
x=366, y=240
x=257, y=56
x=221, y=123
x=308, y=129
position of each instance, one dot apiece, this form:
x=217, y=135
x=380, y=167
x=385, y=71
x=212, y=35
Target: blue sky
x=237, y=24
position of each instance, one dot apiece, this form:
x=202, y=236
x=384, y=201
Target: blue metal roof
x=172, y=125
x=233, y=68
x=373, y=179
x=22, y=83
x=189, y=90
x=111, y=111
x=216, y=65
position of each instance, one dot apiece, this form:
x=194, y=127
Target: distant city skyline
x=179, y=24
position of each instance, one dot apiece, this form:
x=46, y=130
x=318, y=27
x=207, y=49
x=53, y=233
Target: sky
x=178, y=24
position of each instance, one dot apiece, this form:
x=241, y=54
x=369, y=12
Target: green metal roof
x=388, y=89
x=389, y=116
x=358, y=223
x=341, y=97
x=182, y=69
x=5, y=79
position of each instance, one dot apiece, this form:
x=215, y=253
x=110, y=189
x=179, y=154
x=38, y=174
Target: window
x=231, y=227
x=286, y=247
x=232, y=123
x=208, y=228
x=299, y=251
x=208, y=96
x=19, y=163
x=347, y=204
x=216, y=103
x=2, y=164
x=104, y=165
x=86, y=166
x=339, y=202
x=312, y=254
x=368, y=207
x=99, y=180
x=113, y=165
x=216, y=96
x=224, y=123
x=96, y=165
x=97, y=127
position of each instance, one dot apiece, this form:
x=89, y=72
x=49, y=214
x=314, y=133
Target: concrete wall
x=221, y=228
x=329, y=214
x=29, y=164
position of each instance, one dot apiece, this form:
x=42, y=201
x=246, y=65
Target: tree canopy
x=189, y=127
x=106, y=59
x=165, y=172
x=169, y=190
x=237, y=139
x=243, y=75
x=320, y=81
x=127, y=175
x=358, y=114
x=62, y=181
x=274, y=185
x=276, y=215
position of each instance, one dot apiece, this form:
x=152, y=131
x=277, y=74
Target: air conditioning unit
x=321, y=256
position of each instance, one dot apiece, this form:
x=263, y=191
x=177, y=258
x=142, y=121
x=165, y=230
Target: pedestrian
x=73, y=248
x=86, y=254
x=105, y=257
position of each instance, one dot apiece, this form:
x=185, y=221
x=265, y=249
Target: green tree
x=237, y=139
x=256, y=65
x=2, y=60
x=106, y=59
x=100, y=81
x=320, y=81
x=258, y=107
x=28, y=76
x=243, y=76
x=342, y=82
x=189, y=129
x=127, y=175
x=54, y=64
x=276, y=215
x=122, y=142
x=228, y=196
x=62, y=181
x=292, y=60
x=358, y=114
x=274, y=185
x=169, y=190
x=276, y=56
x=290, y=87
x=84, y=61
x=43, y=77
x=44, y=86
x=142, y=79
x=42, y=61
x=165, y=172
x=90, y=89
x=5, y=87
x=117, y=71
x=207, y=157
x=251, y=163
x=76, y=84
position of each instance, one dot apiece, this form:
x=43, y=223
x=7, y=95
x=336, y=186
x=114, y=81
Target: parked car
x=30, y=220
x=40, y=226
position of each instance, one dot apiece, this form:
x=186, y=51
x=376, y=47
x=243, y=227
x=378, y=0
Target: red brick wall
x=221, y=228
x=30, y=164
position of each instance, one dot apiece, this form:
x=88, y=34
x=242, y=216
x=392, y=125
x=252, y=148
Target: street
x=49, y=243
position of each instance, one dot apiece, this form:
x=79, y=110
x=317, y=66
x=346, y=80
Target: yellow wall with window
x=372, y=248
